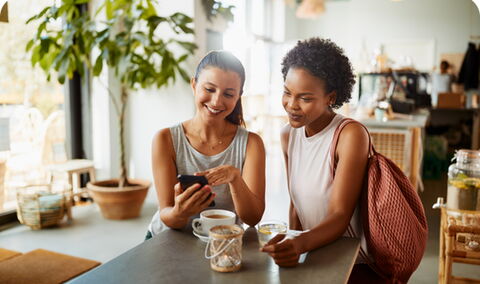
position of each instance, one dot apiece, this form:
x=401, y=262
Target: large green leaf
x=150, y=10
x=29, y=44
x=108, y=9
x=35, y=54
x=154, y=21
x=39, y=15
x=189, y=46
x=97, y=68
x=184, y=74
x=127, y=39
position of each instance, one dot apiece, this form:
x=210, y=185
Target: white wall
x=147, y=112
x=448, y=23
x=153, y=109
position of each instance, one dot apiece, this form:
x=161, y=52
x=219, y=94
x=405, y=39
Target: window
x=32, y=124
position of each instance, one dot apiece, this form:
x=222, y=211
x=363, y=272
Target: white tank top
x=310, y=180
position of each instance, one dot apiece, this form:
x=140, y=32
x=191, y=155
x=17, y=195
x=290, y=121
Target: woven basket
x=41, y=206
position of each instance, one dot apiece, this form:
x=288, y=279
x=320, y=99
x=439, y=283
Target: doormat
x=42, y=266
x=6, y=254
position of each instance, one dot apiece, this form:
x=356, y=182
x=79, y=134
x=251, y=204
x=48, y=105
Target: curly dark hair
x=325, y=60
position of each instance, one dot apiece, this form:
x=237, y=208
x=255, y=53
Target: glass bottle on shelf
x=463, y=196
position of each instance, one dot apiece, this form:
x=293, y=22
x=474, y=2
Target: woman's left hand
x=220, y=175
x=284, y=251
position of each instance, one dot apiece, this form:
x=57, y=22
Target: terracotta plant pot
x=116, y=203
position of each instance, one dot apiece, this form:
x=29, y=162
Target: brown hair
x=226, y=61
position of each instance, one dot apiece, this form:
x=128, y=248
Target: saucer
x=203, y=238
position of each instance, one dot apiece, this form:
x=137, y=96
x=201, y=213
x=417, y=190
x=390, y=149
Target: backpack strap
x=336, y=135
x=333, y=166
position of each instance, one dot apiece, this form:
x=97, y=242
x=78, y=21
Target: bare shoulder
x=162, y=142
x=162, y=136
x=353, y=139
x=254, y=140
x=354, y=132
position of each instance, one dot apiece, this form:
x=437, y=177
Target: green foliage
x=214, y=8
x=128, y=41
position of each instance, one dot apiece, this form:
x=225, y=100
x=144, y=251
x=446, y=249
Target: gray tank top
x=188, y=161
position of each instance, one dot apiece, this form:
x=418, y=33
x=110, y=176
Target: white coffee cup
x=211, y=218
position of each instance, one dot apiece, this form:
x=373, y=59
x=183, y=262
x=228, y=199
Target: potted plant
x=128, y=42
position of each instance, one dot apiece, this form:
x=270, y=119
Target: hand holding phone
x=188, y=180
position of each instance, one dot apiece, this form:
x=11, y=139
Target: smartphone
x=188, y=180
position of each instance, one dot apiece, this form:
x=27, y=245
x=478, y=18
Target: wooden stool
x=73, y=169
x=452, y=249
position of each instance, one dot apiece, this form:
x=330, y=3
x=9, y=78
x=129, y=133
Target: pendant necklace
x=212, y=147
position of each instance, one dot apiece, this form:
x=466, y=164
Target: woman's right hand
x=284, y=251
x=192, y=200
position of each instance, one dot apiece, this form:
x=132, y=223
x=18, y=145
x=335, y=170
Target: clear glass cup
x=267, y=230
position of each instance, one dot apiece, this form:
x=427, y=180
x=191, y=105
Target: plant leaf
x=108, y=9
x=39, y=15
x=97, y=68
x=29, y=45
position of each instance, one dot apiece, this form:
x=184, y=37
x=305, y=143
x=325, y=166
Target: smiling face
x=305, y=98
x=216, y=92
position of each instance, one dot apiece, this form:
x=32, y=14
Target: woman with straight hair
x=214, y=144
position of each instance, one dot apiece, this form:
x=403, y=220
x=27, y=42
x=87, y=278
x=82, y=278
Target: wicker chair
x=403, y=147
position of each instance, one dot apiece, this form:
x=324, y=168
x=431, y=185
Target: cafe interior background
x=39, y=120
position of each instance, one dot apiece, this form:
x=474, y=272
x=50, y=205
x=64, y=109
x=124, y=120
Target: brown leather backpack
x=392, y=214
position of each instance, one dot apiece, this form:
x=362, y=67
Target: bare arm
x=248, y=188
x=175, y=205
x=352, y=157
x=248, y=192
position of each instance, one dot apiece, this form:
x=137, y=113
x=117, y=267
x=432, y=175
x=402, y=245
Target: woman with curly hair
x=318, y=78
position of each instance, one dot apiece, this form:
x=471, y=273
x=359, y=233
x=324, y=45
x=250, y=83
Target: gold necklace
x=212, y=147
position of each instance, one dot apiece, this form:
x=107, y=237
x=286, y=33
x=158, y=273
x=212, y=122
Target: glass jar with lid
x=463, y=196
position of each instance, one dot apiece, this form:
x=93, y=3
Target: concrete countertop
x=403, y=121
x=178, y=257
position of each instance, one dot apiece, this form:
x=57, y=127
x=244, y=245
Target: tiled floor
x=93, y=237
